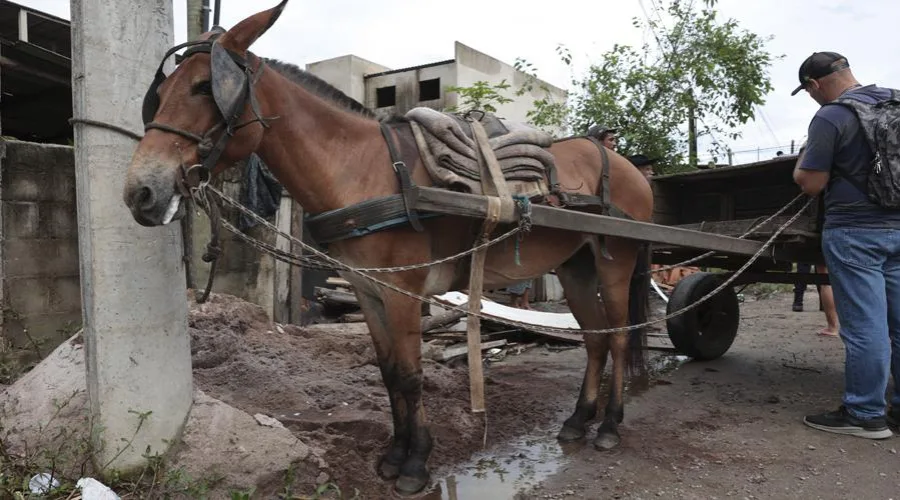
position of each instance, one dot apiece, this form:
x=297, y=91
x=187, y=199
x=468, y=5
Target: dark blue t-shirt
x=837, y=144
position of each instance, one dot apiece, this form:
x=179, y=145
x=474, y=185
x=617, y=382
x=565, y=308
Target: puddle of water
x=501, y=473
x=518, y=466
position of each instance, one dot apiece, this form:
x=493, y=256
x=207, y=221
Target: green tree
x=481, y=96
x=696, y=71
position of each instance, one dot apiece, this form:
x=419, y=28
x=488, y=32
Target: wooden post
x=281, y=311
x=295, y=298
x=499, y=202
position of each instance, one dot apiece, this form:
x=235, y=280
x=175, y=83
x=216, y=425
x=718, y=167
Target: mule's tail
x=638, y=307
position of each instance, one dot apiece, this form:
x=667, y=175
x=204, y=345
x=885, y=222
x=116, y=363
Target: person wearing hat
x=644, y=164
x=607, y=136
x=861, y=247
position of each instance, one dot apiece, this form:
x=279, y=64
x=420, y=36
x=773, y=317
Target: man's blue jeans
x=864, y=268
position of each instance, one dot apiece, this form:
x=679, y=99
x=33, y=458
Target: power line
x=765, y=119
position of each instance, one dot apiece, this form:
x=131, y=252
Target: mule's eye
x=202, y=88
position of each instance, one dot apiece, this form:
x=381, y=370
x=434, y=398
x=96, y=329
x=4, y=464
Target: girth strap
x=403, y=177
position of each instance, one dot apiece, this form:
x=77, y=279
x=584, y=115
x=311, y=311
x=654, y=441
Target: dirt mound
x=323, y=383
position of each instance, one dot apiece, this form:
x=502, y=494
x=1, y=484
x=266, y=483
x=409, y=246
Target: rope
x=107, y=126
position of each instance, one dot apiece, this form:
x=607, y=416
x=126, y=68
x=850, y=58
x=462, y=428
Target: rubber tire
x=695, y=333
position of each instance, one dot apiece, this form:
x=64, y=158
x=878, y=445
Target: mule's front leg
x=376, y=319
x=404, y=320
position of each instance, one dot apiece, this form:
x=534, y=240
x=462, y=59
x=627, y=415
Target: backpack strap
x=859, y=108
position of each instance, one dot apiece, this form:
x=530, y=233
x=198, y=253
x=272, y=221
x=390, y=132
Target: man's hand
x=811, y=182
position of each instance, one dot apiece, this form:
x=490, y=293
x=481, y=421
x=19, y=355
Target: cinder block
x=25, y=186
x=28, y=296
x=29, y=258
x=21, y=220
x=66, y=261
x=65, y=294
x=62, y=185
x=60, y=220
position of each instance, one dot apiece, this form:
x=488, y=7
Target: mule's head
x=187, y=115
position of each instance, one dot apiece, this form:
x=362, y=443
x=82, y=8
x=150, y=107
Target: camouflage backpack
x=881, y=125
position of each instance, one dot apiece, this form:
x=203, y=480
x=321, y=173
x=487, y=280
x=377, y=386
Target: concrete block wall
x=40, y=269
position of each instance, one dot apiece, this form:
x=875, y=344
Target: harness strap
x=492, y=181
x=403, y=177
x=604, y=200
x=604, y=175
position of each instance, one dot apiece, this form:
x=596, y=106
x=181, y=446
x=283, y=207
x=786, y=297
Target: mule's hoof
x=568, y=434
x=606, y=441
x=388, y=470
x=410, y=485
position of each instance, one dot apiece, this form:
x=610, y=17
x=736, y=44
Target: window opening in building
x=386, y=96
x=430, y=90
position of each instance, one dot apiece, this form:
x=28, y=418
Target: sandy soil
x=322, y=382
x=727, y=428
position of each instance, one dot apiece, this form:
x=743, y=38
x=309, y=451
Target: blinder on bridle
x=232, y=81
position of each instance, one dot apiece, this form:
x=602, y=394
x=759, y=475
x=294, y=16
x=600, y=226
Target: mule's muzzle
x=153, y=200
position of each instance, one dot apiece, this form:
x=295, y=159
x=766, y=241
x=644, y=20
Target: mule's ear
x=241, y=36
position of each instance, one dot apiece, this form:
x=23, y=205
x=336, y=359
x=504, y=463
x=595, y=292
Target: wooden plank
x=454, y=351
x=739, y=227
x=468, y=205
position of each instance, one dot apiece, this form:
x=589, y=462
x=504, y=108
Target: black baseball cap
x=820, y=64
x=642, y=160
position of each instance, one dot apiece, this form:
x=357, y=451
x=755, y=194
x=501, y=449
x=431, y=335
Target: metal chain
x=520, y=324
x=396, y=269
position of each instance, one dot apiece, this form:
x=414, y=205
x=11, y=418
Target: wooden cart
x=695, y=213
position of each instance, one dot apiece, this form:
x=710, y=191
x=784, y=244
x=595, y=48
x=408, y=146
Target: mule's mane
x=319, y=87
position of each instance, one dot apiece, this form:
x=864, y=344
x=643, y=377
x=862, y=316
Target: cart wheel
x=707, y=331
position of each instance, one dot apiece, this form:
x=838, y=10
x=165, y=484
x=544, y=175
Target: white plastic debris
x=42, y=483
x=91, y=489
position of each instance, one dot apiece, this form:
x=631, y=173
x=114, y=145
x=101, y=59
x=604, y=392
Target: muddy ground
x=727, y=428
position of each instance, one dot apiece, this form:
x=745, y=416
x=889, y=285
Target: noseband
x=232, y=81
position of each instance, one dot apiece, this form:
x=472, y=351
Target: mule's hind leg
x=579, y=280
x=616, y=278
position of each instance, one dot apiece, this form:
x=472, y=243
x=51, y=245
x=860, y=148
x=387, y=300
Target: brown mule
x=328, y=151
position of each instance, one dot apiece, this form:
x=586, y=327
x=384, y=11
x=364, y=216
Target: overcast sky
x=400, y=33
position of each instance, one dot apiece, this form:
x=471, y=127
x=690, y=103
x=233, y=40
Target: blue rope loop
x=524, y=206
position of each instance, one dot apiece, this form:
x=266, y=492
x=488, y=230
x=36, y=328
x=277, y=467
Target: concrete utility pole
x=137, y=349
x=195, y=18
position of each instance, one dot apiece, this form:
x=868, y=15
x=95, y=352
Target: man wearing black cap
x=861, y=246
x=644, y=164
x=606, y=136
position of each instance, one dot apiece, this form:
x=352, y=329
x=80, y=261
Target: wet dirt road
x=730, y=428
